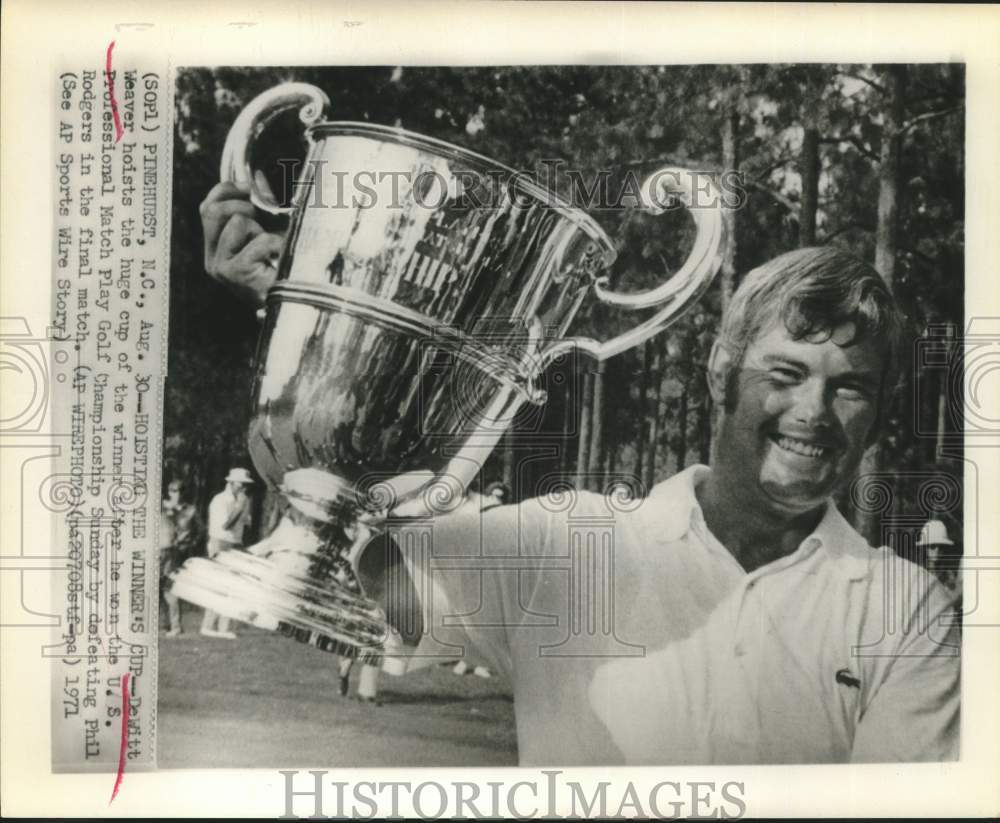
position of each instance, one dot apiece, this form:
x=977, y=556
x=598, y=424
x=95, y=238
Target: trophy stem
x=300, y=580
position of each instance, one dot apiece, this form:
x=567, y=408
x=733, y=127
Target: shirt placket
x=753, y=629
x=731, y=713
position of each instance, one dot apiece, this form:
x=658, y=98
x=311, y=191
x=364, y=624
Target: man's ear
x=720, y=363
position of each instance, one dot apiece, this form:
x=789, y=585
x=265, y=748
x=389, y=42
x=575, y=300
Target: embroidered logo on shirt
x=844, y=676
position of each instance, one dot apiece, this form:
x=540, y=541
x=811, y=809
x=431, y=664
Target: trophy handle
x=703, y=201
x=251, y=122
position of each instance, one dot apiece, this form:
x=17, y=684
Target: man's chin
x=795, y=497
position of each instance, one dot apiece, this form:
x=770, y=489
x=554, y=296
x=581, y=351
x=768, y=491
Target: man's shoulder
x=682, y=483
x=666, y=509
x=907, y=609
x=673, y=497
x=567, y=502
x=898, y=577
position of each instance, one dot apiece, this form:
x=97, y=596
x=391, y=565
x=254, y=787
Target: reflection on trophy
x=421, y=292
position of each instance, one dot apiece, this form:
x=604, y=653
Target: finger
x=225, y=191
x=239, y=231
x=262, y=251
x=253, y=270
x=220, y=210
x=216, y=215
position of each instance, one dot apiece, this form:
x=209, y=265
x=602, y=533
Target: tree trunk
x=886, y=238
x=654, y=424
x=730, y=162
x=640, y=437
x=569, y=418
x=809, y=170
x=943, y=390
x=887, y=230
x=583, y=447
x=595, y=465
x=942, y=412
x=680, y=452
x=705, y=446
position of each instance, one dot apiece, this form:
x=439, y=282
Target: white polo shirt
x=637, y=638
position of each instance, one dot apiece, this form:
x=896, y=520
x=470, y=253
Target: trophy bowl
x=421, y=292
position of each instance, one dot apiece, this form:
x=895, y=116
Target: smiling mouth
x=800, y=447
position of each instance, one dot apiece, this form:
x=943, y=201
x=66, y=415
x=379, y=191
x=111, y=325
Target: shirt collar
x=676, y=503
x=849, y=550
x=677, y=510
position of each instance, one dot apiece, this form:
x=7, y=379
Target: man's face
x=236, y=488
x=801, y=418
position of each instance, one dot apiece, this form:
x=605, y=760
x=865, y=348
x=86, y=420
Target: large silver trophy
x=422, y=291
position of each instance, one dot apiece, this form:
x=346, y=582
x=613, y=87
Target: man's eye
x=854, y=392
x=785, y=376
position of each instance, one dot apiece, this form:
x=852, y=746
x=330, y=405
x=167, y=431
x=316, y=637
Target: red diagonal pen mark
x=119, y=131
x=124, y=744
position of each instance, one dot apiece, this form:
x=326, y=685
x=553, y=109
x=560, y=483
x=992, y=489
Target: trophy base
x=252, y=590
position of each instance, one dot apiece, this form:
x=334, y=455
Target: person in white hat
x=496, y=495
x=941, y=554
x=228, y=518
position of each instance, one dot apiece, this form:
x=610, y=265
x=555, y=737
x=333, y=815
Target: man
x=181, y=533
x=739, y=618
x=228, y=518
x=942, y=557
x=496, y=495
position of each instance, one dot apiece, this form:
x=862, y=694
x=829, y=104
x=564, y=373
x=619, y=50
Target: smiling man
x=800, y=371
x=733, y=615
x=811, y=646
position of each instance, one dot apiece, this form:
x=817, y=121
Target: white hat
x=934, y=533
x=314, y=492
x=239, y=476
x=497, y=489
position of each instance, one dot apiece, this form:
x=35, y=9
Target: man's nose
x=813, y=404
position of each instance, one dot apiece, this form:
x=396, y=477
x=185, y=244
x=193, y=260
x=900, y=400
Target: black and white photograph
x=502, y=409
x=565, y=415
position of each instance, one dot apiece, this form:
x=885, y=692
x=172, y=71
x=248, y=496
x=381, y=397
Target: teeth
x=799, y=447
